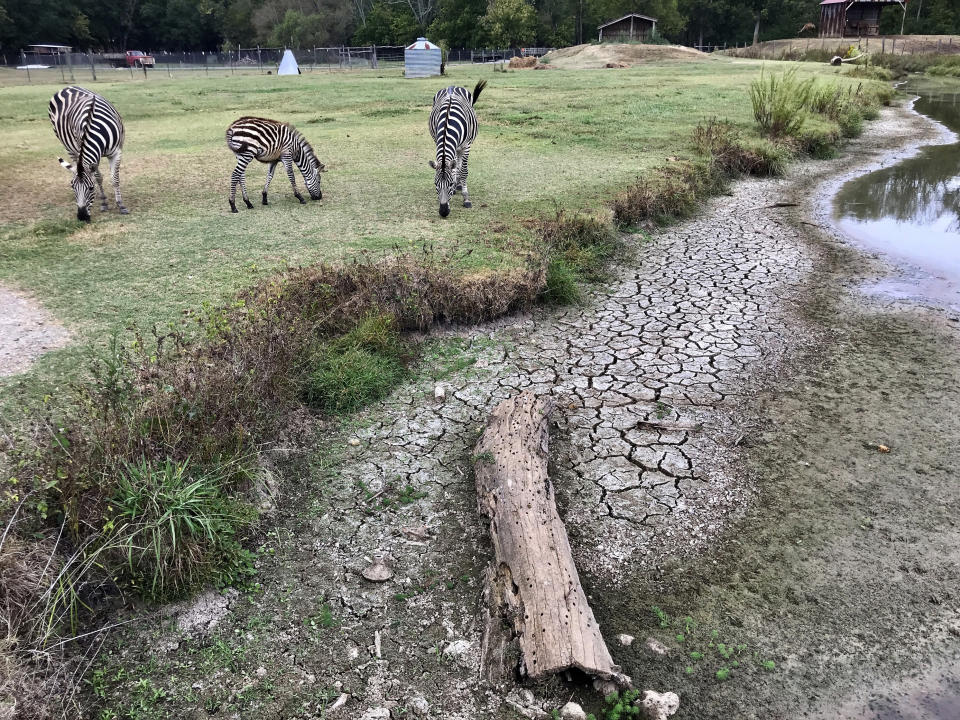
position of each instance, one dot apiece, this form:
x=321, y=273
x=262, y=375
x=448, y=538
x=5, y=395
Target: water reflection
x=912, y=209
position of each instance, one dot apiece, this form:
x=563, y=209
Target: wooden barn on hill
x=853, y=18
x=630, y=27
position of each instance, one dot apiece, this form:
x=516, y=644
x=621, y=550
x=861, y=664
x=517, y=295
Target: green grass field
x=573, y=137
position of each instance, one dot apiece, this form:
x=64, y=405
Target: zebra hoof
x=249, y=204
x=265, y=201
x=104, y=208
x=302, y=201
x=123, y=211
x=467, y=204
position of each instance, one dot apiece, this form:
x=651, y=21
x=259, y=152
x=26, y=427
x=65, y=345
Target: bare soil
x=27, y=331
x=581, y=57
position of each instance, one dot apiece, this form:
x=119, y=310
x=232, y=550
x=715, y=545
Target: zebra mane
x=299, y=139
x=86, y=129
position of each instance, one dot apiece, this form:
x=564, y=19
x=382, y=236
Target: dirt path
x=27, y=331
x=722, y=401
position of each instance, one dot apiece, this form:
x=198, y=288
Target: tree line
x=175, y=25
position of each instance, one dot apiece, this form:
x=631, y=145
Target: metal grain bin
x=422, y=59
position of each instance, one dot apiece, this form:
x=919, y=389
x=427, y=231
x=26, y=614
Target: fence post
x=259, y=60
x=93, y=69
x=23, y=59
x=72, y=79
x=130, y=68
x=373, y=57
x=883, y=46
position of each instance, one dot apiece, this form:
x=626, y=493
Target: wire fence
x=69, y=67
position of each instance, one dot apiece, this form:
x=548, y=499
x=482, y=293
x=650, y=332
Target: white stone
x=572, y=711
x=419, y=706
x=457, y=648
x=656, y=647
x=376, y=714
x=261, y=672
x=625, y=640
x=439, y=393
x=659, y=706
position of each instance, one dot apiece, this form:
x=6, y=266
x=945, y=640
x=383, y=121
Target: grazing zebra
x=89, y=128
x=271, y=142
x=453, y=126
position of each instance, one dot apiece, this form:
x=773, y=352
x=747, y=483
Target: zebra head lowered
x=453, y=127
x=83, y=188
x=311, y=167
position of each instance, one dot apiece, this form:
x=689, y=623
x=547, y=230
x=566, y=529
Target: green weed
x=778, y=103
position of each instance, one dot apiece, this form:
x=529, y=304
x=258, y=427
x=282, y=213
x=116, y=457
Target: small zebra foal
x=271, y=142
x=453, y=127
x=90, y=128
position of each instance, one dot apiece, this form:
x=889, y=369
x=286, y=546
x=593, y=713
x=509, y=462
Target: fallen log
x=536, y=603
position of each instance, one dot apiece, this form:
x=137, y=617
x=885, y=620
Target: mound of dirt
x=581, y=57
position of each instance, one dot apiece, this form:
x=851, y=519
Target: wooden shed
x=853, y=18
x=630, y=27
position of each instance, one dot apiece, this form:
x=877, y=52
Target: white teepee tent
x=288, y=65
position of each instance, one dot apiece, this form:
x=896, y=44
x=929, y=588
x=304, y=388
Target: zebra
x=453, y=127
x=271, y=142
x=89, y=128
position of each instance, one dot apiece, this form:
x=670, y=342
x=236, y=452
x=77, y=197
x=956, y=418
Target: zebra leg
x=239, y=176
x=115, y=176
x=463, y=178
x=288, y=164
x=103, y=195
x=270, y=169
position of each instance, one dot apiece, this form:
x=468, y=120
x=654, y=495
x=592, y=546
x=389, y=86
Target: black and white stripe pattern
x=453, y=127
x=271, y=142
x=90, y=128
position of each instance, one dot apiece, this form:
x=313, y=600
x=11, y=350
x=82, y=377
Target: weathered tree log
x=535, y=599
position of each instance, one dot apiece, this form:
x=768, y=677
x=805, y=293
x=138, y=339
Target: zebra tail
x=478, y=89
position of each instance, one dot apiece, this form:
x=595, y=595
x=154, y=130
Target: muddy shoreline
x=723, y=399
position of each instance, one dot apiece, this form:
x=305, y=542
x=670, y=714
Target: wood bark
x=536, y=602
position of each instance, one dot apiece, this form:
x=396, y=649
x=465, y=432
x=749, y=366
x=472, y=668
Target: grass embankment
x=147, y=469
x=876, y=63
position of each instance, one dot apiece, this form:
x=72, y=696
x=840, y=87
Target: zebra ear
x=67, y=165
x=432, y=164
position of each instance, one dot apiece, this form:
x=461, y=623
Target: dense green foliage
x=210, y=24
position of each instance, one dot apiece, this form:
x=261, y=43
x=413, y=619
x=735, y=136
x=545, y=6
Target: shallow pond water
x=911, y=209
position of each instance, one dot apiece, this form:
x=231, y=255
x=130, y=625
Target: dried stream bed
x=720, y=400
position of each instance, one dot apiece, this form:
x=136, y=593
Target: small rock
x=625, y=640
x=605, y=687
x=378, y=571
x=261, y=672
x=381, y=713
x=353, y=441
x=339, y=703
x=659, y=706
x=418, y=706
x=458, y=647
x=439, y=393
x=415, y=533
x=656, y=647
x=572, y=711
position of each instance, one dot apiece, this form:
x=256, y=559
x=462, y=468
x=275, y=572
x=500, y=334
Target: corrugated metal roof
x=423, y=44
x=638, y=15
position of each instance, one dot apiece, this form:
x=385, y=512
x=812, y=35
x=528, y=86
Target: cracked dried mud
x=720, y=403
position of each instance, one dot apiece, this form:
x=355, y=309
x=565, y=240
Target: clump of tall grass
x=583, y=242
x=667, y=194
x=349, y=372
x=722, y=142
x=778, y=103
x=170, y=527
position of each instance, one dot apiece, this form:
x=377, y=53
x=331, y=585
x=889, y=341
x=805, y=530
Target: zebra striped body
x=271, y=142
x=90, y=129
x=453, y=127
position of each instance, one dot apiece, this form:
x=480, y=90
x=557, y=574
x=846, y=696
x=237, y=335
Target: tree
x=509, y=23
